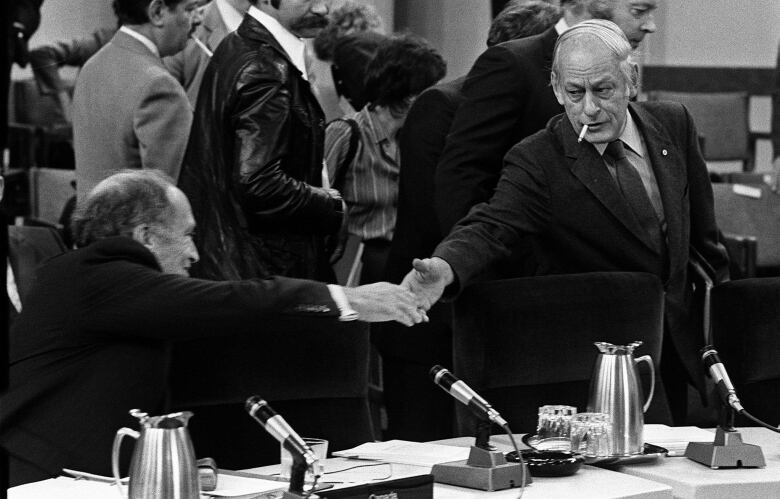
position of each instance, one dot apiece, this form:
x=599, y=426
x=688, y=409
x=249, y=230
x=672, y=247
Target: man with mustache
x=253, y=167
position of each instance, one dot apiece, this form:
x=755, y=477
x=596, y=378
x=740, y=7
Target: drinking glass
x=320, y=449
x=591, y=434
x=555, y=421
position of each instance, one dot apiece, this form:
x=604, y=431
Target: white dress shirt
x=292, y=45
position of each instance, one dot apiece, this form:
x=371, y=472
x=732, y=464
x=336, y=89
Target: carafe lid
x=611, y=349
x=166, y=421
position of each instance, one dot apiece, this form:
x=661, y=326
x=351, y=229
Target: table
x=589, y=483
x=689, y=479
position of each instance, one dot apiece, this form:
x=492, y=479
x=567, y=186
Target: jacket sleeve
x=261, y=116
x=481, y=133
x=137, y=301
x=704, y=230
x=162, y=123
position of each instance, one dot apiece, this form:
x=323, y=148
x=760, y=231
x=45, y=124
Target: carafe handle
x=120, y=434
x=649, y=360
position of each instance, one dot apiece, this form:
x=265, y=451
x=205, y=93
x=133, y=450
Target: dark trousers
x=375, y=252
x=675, y=378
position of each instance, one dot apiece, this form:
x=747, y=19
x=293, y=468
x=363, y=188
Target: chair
x=528, y=342
x=723, y=120
x=743, y=251
x=748, y=217
x=28, y=247
x=312, y=372
x=746, y=333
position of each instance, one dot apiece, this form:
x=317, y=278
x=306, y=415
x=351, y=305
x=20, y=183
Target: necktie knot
x=615, y=150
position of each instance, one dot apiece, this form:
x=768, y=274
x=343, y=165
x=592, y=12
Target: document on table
x=405, y=452
x=675, y=438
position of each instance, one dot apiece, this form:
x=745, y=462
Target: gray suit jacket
x=188, y=65
x=128, y=112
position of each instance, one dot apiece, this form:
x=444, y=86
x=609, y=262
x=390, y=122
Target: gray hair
x=598, y=9
x=122, y=202
x=609, y=34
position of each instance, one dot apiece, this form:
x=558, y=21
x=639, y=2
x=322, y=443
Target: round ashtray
x=549, y=463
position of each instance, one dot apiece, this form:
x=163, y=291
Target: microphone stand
x=727, y=450
x=297, y=477
x=485, y=469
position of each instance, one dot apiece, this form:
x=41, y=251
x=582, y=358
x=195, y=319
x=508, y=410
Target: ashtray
x=649, y=452
x=548, y=463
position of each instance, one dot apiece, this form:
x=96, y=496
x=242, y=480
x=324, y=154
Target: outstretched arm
x=382, y=301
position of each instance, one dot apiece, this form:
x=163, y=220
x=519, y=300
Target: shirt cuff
x=346, y=313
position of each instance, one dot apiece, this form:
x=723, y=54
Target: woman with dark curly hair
x=361, y=150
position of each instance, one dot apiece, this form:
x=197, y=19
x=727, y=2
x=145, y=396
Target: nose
x=649, y=25
x=192, y=253
x=319, y=7
x=197, y=17
x=591, y=106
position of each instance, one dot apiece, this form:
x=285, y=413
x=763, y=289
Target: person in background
x=253, y=168
x=93, y=338
x=418, y=411
x=351, y=57
x=219, y=17
x=346, y=17
x=633, y=195
x=128, y=111
x=361, y=151
x=508, y=97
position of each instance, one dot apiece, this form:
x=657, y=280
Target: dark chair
x=28, y=247
x=723, y=121
x=312, y=372
x=528, y=342
x=743, y=252
x=746, y=332
x=749, y=217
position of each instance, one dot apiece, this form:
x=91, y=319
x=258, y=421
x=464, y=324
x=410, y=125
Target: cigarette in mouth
x=582, y=133
x=202, y=46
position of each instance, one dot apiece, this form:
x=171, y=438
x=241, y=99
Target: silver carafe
x=615, y=390
x=163, y=464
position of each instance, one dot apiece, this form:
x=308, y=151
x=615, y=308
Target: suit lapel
x=666, y=158
x=588, y=166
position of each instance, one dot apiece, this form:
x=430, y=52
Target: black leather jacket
x=253, y=169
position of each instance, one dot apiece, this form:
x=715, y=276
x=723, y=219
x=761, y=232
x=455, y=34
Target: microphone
x=279, y=429
x=464, y=394
x=728, y=394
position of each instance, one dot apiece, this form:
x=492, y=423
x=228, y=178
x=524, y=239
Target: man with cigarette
x=633, y=195
x=128, y=111
x=219, y=17
x=508, y=97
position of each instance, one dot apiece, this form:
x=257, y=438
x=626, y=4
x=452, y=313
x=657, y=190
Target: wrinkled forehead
x=580, y=60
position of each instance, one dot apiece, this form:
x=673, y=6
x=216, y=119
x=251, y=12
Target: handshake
x=408, y=302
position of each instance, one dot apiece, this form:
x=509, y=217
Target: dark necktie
x=630, y=184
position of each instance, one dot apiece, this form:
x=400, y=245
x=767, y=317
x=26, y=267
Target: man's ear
x=143, y=235
x=556, y=90
x=633, y=85
x=155, y=12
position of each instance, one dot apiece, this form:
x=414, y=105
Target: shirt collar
x=230, y=15
x=630, y=137
x=292, y=45
x=380, y=132
x=141, y=38
x=561, y=26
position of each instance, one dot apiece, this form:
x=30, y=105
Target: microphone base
x=484, y=470
x=727, y=451
x=292, y=495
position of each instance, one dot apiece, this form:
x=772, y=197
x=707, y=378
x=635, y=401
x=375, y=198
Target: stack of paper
x=405, y=452
x=675, y=438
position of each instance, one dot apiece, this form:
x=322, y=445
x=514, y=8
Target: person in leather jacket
x=253, y=167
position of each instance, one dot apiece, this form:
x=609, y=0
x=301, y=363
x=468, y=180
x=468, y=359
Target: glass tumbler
x=591, y=434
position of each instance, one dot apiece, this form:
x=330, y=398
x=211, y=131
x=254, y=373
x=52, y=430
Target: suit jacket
x=189, y=65
x=128, y=112
x=91, y=343
x=507, y=98
x=28, y=247
x=253, y=170
x=421, y=141
x=561, y=193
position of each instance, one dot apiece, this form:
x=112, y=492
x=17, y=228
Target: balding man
x=508, y=97
x=91, y=342
x=633, y=195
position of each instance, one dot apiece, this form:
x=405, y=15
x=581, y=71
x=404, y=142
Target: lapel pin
x=663, y=151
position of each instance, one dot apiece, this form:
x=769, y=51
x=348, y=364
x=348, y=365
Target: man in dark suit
x=644, y=206
x=92, y=339
x=508, y=97
x=253, y=167
x=415, y=409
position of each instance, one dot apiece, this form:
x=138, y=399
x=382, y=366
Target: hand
x=383, y=301
x=427, y=280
